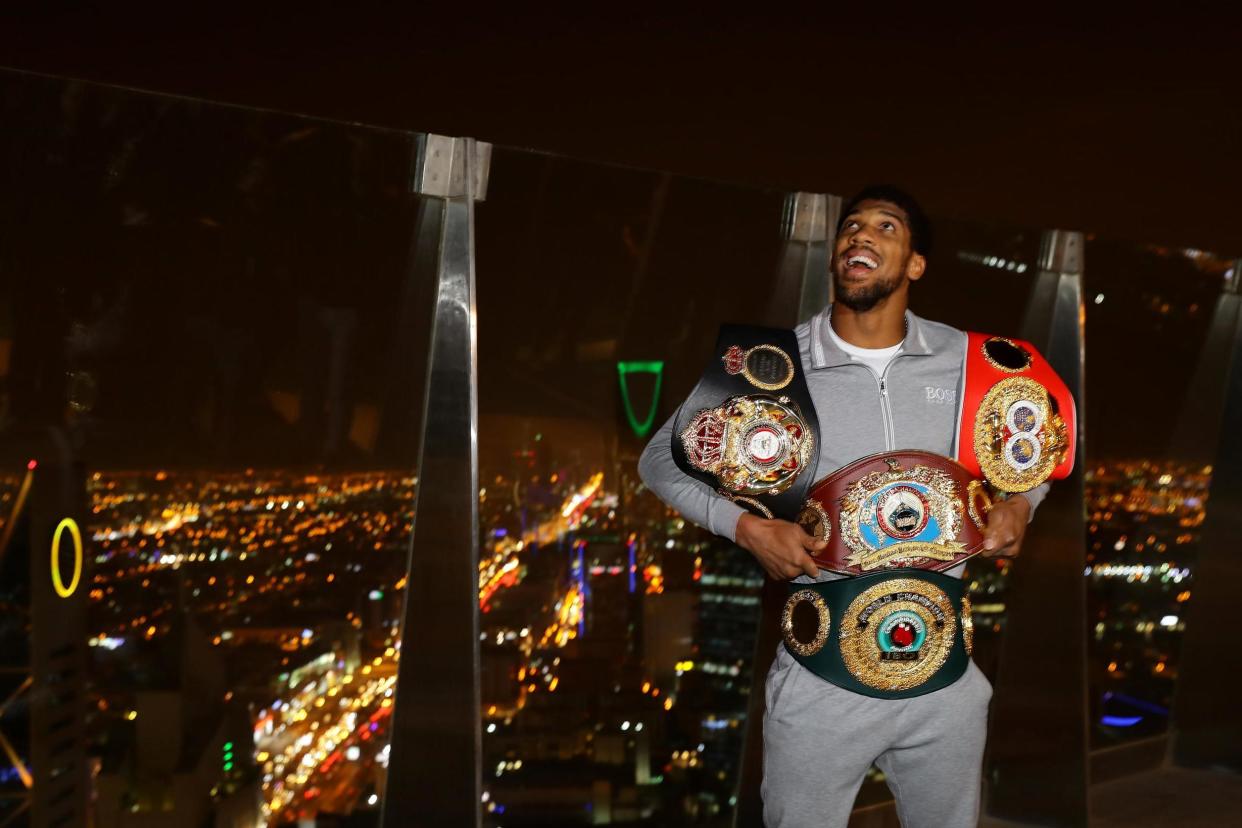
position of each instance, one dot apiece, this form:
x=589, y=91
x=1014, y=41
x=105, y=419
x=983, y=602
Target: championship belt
x=889, y=635
x=910, y=509
x=1018, y=418
x=748, y=428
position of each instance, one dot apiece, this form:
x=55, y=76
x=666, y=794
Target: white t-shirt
x=876, y=359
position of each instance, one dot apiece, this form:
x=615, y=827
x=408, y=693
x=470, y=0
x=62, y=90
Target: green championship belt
x=890, y=635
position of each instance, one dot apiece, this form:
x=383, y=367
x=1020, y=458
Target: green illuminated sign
x=641, y=429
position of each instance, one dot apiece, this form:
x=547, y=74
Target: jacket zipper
x=890, y=429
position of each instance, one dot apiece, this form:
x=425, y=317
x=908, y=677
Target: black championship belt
x=749, y=429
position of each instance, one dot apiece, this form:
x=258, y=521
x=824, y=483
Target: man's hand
x=780, y=547
x=1002, y=538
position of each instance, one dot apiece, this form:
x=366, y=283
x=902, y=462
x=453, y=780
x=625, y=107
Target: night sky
x=1120, y=126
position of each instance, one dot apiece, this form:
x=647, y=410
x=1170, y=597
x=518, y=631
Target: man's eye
x=888, y=225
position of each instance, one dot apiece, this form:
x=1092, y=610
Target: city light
x=557, y=583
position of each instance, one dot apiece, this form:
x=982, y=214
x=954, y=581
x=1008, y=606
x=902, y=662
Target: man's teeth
x=862, y=260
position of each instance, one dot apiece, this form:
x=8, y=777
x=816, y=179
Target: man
x=881, y=379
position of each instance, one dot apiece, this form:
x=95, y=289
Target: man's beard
x=865, y=297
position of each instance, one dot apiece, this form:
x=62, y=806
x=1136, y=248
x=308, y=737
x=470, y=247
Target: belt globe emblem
x=753, y=444
x=901, y=517
x=902, y=512
x=897, y=634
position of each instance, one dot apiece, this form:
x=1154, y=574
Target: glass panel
x=1151, y=440
x=979, y=276
x=211, y=363
x=617, y=639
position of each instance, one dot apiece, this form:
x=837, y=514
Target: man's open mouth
x=860, y=263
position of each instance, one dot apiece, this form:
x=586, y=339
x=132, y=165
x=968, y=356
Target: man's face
x=872, y=258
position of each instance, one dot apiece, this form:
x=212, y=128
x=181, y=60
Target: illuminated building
x=43, y=758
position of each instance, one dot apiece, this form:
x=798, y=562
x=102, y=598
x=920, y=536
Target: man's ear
x=916, y=267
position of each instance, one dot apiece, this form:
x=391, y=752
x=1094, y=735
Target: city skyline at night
x=213, y=375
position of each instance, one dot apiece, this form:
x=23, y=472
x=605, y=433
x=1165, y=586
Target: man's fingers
x=809, y=566
x=1000, y=544
x=812, y=543
x=997, y=534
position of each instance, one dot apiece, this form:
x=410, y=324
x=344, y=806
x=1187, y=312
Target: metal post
x=1037, y=764
x=1206, y=728
x=435, y=760
x=803, y=286
x=803, y=283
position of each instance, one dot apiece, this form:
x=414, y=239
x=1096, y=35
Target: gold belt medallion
x=898, y=633
x=753, y=444
x=815, y=520
x=763, y=366
x=1019, y=440
x=815, y=642
x=901, y=517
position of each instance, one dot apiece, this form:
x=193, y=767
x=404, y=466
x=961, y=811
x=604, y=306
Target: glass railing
x=1148, y=468
x=617, y=637
x=211, y=364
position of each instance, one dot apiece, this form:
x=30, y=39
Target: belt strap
x=890, y=635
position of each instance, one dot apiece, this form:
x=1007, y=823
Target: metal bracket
x=806, y=217
x=439, y=167
x=1233, y=278
x=803, y=282
x=1061, y=252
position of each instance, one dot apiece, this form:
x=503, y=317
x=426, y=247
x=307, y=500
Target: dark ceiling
x=1122, y=127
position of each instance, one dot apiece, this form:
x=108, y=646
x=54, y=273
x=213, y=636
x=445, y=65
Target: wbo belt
x=911, y=509
x=888, y=635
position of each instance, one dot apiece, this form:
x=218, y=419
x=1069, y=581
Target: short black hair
x=919, y=224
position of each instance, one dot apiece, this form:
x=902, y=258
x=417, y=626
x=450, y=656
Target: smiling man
x=875, y=554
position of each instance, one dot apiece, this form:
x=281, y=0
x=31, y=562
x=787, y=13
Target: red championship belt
x=1018, y=418
x=910, y=509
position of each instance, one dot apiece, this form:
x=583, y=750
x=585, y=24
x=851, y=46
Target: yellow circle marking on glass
x=57, y=584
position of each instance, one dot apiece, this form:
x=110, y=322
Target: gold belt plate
x=873, y=510
x=898, y=633
x=753, y=444
x=1019, y=440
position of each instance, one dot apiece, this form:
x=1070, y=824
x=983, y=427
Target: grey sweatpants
x=819, y=741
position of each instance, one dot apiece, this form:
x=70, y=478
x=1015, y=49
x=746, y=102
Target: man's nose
x=862, y=235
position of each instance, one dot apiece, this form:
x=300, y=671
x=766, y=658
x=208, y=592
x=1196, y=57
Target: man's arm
x=1034, y=497
x=1007, y=522
x=694, y=499
x=781, y=547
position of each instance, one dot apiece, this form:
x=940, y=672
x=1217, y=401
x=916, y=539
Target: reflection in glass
x=1152, y=437
x=617, y=638
x=210, y=355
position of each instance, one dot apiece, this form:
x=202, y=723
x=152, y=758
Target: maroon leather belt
x=911, y=509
